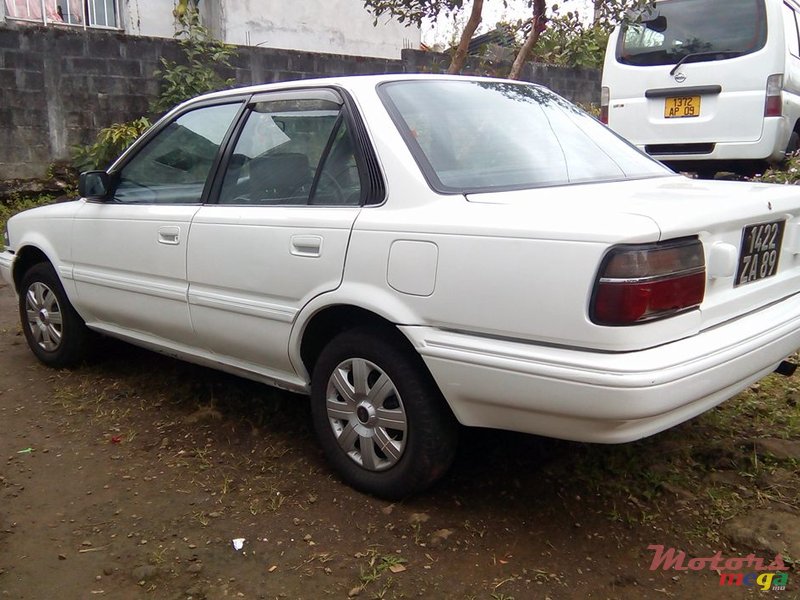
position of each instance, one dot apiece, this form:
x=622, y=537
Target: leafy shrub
x=787, y=173
x=569, y=42
x=110, y=143
x=204, y=55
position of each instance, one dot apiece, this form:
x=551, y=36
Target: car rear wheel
x=380, y=419
x=55, y=333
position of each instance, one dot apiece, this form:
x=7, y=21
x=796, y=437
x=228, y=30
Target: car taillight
x=605, y=98
x=773, y=106
x=640, y=283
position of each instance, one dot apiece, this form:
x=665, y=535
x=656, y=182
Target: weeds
x=376, y=566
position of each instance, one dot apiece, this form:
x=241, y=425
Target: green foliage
x=412, y=12
x=609, y=13
x=110, y=143
x=204, y=56
x=567, y=41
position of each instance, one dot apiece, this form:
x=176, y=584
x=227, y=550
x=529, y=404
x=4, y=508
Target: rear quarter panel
x=506, y=271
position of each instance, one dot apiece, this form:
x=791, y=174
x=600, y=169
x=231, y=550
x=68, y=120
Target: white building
x=334, y=26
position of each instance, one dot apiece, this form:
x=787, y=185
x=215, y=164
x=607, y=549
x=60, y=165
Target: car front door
x=278, y=234
x=129, y=251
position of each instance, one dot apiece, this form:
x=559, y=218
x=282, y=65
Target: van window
x=706, y=29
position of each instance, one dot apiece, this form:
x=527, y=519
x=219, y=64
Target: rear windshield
x=474, y=136
x=705, y=29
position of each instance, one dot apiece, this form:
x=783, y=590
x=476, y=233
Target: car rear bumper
x=605, y=397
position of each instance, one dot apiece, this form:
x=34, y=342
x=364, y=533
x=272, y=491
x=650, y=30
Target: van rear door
x=693, y=72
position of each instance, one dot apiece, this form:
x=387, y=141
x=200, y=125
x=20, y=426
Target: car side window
x=173, y=167
x=338, y=182
x=292, y=152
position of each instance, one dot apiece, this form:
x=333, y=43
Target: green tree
x=550, y=34
x=566, y=39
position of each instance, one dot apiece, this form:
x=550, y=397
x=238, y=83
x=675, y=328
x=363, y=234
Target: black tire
x=55, y=333
x=392, y=463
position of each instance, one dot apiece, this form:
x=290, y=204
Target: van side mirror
x=94, y=185
x=659, y=24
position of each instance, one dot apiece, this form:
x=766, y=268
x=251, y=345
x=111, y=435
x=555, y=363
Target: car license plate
x=761, y=248
x=682, y=106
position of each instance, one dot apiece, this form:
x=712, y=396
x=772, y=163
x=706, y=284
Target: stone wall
x=59, y=87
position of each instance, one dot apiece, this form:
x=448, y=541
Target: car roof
x=348, y=82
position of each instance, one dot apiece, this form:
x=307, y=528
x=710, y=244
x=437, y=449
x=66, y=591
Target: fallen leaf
x=416, y=518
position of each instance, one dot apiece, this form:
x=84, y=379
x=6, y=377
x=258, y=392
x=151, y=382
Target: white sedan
x=416, y=252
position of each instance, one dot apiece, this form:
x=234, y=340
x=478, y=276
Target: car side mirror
x=94, y=185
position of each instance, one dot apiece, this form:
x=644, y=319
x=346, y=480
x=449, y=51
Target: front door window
x=173, y=167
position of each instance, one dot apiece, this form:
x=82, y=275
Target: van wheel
x=55, y=333
x=380, y=419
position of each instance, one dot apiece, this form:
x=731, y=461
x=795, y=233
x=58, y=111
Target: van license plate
x=761, y=248
x=682, y=106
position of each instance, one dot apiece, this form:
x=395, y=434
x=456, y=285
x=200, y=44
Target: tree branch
x=537, y=26
x=460, y=57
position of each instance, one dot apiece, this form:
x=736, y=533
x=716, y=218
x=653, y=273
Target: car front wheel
x=55, y=333
x=380, y=418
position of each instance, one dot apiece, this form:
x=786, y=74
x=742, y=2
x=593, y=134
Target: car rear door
x=129, y=251
x=278, y=233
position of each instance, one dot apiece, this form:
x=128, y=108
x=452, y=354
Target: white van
x=707, y=80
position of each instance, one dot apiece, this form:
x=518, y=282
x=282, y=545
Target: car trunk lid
x=719, y=213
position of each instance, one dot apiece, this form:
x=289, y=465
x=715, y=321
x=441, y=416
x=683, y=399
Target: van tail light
x=639, y=283
x=605, y=98
x=773, y=107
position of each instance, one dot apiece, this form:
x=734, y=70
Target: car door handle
x=306, y=245
x=169, y=235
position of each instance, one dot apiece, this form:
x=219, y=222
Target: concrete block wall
x=59, y=87
x=577, y=84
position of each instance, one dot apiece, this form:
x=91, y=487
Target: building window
x=82, y=13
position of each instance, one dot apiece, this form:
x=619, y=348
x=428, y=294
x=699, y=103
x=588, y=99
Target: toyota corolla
x=419, y=253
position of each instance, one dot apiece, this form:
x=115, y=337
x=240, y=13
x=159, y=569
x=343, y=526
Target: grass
x=375, y=568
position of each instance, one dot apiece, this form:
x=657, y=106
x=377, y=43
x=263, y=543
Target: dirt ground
x=131, y=477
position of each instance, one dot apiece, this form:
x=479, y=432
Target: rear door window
x=293, y=152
